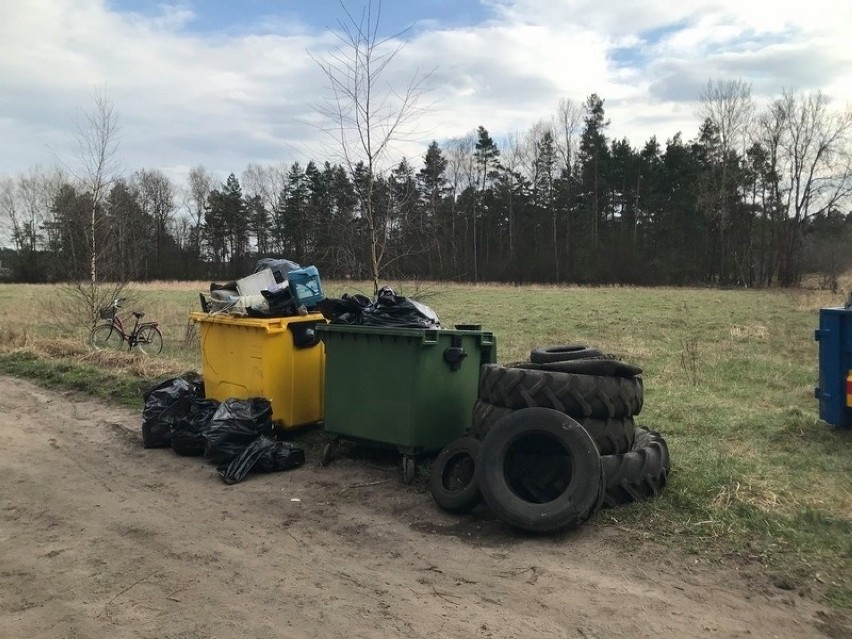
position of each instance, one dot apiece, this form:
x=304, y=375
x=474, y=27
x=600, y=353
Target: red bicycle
x=144, y=337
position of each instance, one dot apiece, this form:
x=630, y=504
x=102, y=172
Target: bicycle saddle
x=138, y=315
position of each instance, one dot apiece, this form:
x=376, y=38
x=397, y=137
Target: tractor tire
x=612, y=436
x=562, y=353
x=540, y=471
x=570, y=393
x=609, y=367
x=640, y=474
x=452, y=479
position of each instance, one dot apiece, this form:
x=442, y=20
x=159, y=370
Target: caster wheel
x=409, y=468
x=327, y=451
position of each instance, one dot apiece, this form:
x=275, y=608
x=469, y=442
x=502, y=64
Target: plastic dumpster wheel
x=409, y=468
x=327, y=452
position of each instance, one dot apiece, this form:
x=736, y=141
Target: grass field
x=729, y=376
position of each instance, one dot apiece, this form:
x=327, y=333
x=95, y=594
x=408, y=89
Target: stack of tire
x=552, y=441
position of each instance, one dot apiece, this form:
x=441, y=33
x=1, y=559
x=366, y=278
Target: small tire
x=562, y=353
x=613, y=436
x=570, y=393
x=640, y=474
x=452, y=479
x=540, y=471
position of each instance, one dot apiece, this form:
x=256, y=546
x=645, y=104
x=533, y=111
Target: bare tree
x=728, y=105
x=157, y=198
x=462, y=175
x=97, y=169
x=25, y=202
x=97, y=141
x=569, y=125
x=200, y=187
x=265, y=182
x=367, y=113
x=810, y=147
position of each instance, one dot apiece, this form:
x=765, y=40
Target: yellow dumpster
x=280, y=359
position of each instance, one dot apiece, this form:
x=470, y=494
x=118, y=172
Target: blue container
x=305, y=286
x=835, y=366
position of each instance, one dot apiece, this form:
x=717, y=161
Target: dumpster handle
x=430, y=337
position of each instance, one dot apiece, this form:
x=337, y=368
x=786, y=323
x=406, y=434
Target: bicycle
x=145, y=337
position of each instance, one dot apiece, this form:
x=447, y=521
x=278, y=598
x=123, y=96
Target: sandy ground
x=102, y=538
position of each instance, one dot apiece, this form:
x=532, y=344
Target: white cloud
x=234, y=98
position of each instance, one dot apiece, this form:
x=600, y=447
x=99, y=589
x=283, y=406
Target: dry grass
x=752, y=331
x=755, y=493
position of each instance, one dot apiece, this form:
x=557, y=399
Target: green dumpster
x=408, y=388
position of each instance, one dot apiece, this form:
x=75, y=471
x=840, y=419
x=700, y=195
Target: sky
x=225, y=84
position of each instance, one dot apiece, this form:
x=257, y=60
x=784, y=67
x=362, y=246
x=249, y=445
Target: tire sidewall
x=456, y=501
x=562, y=353
x=580, y=498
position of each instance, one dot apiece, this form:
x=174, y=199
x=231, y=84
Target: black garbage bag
x=157, y=424
x=345, y=310
x=235, y=425
x=188, y=432
x=263, y=455
x=390, y=309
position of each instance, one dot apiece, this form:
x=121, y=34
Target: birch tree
x=367, y=113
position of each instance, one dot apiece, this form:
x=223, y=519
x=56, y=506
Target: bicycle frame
x=118, y=326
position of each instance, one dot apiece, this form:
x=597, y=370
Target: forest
x=755, y=198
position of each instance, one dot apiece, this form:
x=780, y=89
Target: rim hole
x=458, y=473
x=538, y=468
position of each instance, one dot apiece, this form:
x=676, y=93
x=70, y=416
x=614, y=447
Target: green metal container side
x=393, y=386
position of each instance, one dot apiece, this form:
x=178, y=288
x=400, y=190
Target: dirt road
x=101, y=538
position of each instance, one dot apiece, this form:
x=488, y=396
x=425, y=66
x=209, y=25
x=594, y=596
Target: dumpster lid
x=270, y=324
x=426, y=334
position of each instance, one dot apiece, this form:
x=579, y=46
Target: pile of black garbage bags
x=235, y=434
x=387, y=310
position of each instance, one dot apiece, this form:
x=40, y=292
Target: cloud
x=226, y=98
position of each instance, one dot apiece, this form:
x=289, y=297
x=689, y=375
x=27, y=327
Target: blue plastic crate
x=305, y=285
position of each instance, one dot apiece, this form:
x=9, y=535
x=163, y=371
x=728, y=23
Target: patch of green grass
x=67, y=375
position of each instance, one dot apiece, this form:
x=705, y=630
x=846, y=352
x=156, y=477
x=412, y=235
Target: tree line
x=754, y=198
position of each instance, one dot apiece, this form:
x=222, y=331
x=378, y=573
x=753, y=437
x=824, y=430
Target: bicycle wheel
x=106, y=337
x=149, y=340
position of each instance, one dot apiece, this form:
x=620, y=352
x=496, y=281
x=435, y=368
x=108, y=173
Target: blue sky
x=254, y=16
x=227, y=84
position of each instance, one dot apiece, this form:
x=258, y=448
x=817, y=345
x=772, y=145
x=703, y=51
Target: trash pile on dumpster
x=234, y=434
x=552, y=441
x=277, y=288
